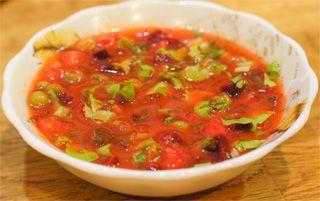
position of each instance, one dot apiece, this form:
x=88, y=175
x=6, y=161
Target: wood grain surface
x=290, y=172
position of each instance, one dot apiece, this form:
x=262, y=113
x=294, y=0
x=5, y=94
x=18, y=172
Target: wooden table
x=290, y=172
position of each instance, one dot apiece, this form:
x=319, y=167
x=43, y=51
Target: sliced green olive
x=39, y=99
x=72, y=77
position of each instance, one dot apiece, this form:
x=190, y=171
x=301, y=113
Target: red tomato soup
x=156, y=99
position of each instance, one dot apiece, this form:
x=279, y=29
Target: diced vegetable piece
x=95, y=104
x=203, y=109
x=273, y=70
x=254, y=121
x=159, y=88
x=101, y=115
x=105, y=150
x=248, y=144
x=95, y=110
x=173, y=78
x=140, y=158
x=146, y=144
x=63, y=111
x=218, y=103
x=114, y=89
x=267, y=81
x=146, y=70
x=124, y=66
x=195, y=73
x=239, y=81
x=243, y=66
x=129, y=44
x=127, y=91
x=39, y=99
x=81, y=154
x=172, y=53
x=196, y=48
x=216, y=68
x=216, y=53
x=213, y=52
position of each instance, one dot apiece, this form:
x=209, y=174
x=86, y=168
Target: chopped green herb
x=203, y=109
x=216, y=53
x=196, y=48
x=172, y=53
x=267, y=81
x=101, y=115
x=213, y=52
x=124, y=66
x=81, y=154
x=95, y=104
x=173, y=78
x=216, y=68
x=105, y=150
x=126, y=43
x=63, y=111
x=114, y=89
x=243, y=66
x=159, y=88
x=254, y=121
x=273, y=70
x=272, y=73
x=140, y=158
x=219, y=103
x=127, y=90
x=54, y=96
x=195, y=73
x=146, y=70
x=206, y=142
x=239, y=81
x=169, y=120
x=248, y=144
x=146, y=144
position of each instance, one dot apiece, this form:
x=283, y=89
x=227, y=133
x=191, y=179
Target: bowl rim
x=102, y=170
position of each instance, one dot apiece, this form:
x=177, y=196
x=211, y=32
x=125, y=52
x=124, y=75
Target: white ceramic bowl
x=299, y=81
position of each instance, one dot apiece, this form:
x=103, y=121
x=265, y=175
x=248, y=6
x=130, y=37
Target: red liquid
x=154, y=116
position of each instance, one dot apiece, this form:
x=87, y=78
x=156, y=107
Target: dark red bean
x=157, y=36
x=101, y=138
x=174, y=43
x=102, y=55
x=64, y=98
x=242, y=127
x=232, y=90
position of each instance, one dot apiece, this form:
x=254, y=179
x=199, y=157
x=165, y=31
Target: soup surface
x=155, y=99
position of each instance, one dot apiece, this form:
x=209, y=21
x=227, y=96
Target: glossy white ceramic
x=299, y=81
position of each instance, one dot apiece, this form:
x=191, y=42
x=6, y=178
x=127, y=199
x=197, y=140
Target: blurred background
x=290, y=172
